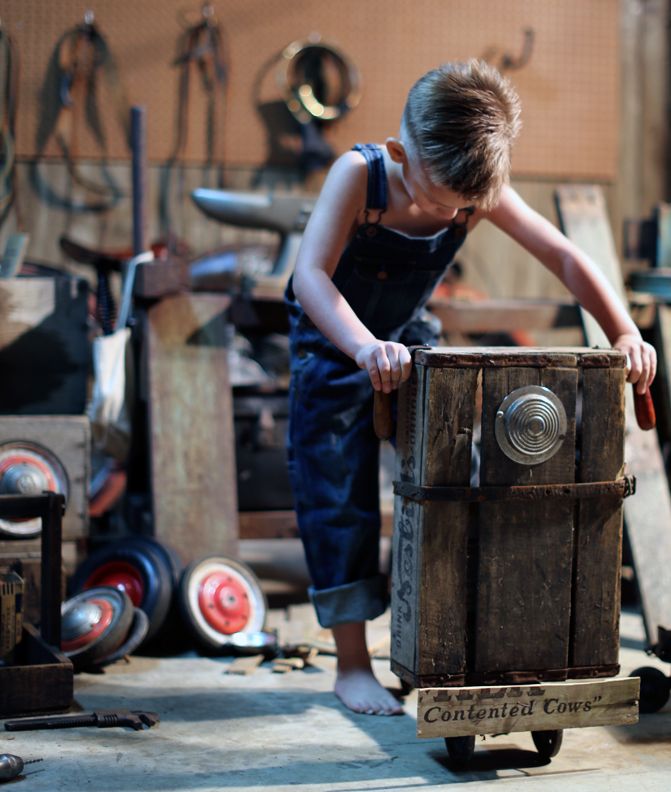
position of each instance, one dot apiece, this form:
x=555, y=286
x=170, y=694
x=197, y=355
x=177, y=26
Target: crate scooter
x=506, y=569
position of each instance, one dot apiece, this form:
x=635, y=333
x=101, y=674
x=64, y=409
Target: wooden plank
x=455, y=712
x=505, y=315
x=154, y=279
x=598, y=540
x=193, y=483
x=647, y=515
x=407, y=528
x=44, y=346
x=661, y=387
x=477, y=357
x=449, y=407
x=283, y=524
x=525, y=552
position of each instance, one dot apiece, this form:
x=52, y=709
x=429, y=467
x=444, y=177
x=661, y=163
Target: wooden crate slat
x=525, y=552
x=598, y=544
x=503, y=709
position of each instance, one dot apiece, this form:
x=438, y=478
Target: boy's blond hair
x=461, y=120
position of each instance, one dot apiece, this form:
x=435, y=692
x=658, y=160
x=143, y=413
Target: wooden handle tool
x=383, y=422
x=644, y=409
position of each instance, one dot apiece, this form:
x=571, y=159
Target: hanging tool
x=200, y=47
x=81, y=56
x=8, y=105
x=11, y=766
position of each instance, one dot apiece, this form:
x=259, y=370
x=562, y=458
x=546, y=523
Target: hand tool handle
x=50, y=722
x=383, y=422
x=644, y=409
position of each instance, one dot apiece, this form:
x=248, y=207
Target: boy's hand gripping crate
x=507, y=572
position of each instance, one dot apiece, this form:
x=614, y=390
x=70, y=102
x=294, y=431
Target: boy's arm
x=582, y=278
x=331, y=226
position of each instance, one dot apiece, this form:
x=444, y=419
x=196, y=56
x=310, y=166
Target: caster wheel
x=94, y=623
x=460, y=749
x=406, y=687
x=219, y=597
x=655, y=688
x=548, y=743
x=134, y=567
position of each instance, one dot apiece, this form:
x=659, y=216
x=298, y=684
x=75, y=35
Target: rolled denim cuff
x=360, y=601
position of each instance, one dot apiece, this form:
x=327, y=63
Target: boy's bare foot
x=359, y=690
x=356, y=685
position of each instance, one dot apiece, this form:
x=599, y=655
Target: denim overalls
x=387, y=277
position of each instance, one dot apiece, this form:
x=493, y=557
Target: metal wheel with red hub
x=135, y=567
x=28, y=469
x=220, y=597
x=94, y=624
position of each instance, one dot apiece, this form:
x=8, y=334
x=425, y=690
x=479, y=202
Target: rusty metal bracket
x=621, y=488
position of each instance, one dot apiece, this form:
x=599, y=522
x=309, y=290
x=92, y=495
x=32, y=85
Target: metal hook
x=509, y=62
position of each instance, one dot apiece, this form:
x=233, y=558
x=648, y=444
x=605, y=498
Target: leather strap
x=200, y=47
x=81, y=56
x=8, y=101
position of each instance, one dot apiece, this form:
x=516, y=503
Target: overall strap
x=376, y=197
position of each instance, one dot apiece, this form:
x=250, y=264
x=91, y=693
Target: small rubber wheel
x=655, y=688
x=94, y=623
x=460, y=749
x=548, y=742
x=136, y=568
x=219, y=597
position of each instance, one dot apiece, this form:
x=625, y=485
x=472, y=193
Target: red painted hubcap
x=119, y=575
x=224, y=602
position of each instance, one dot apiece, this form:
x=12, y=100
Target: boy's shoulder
x=351, y=167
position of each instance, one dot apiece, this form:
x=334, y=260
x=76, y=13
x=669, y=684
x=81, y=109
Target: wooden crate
x=39, y=680
x=510, y=572
x=44, y=346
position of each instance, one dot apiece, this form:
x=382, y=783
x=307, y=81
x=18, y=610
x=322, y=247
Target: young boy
x=385, y=227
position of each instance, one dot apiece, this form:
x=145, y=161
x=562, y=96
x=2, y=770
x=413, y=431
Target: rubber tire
x=655, y=689
x=90, y=655
x=208, y=639
x=135, y=638
x=169, y=555
x=153, y=569
x=460, y=749
x=548, y=742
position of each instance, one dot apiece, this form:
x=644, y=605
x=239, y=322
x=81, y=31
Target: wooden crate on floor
x=509, y=573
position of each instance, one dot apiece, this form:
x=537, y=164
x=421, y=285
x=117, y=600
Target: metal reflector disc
x=28, y=469
x=530, y=425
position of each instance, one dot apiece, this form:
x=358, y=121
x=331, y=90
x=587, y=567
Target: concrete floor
x=271, y=731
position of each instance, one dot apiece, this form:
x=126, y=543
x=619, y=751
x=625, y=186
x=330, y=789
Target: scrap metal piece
x=530, y=425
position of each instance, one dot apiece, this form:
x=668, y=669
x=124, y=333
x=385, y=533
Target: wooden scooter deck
x=462, y=711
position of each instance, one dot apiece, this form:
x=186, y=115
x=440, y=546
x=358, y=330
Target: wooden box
x=44, y=346
x=40, y=679
x=508, y=570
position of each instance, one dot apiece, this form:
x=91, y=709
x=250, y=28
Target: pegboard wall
x=569, y=87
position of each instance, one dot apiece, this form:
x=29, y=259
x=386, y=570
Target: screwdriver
x=11, y=766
